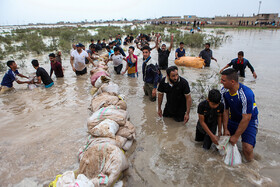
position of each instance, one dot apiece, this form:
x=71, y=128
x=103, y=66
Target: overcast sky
x=18, y=12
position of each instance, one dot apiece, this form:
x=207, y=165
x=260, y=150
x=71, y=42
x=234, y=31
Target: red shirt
x=57, y=68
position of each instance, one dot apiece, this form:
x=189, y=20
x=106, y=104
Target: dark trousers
x=178, y=116
x=202, y=136
x=118, y=69
x=84, y=71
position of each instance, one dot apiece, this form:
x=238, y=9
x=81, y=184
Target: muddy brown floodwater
x=41, y=130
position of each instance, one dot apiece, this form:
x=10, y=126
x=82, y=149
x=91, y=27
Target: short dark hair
x=181, y=43
x=231, y=74
x=131, y=47
x=171, y=68
x=92, y=40
x=93, y=46
x=103, y=38
x=163, y=45
x=114, y=42
x=241, y=53
x=10, y=62
x=208, y=44
x=214, y=96
x=107, y=47
x=146, y=48
x=52, y=55
x=35, y=63
x=116, y=49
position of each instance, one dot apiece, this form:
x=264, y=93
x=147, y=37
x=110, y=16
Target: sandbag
x=110, y=112
x=119, y=141
x=101, y=80
x=110, y=88
x=231, y=154
x=127, y=131
x=103, y=100
x=127, y=145
x=107, y=128
x=122, y=104
x=103, y=163
x=188, y=61
x=96, y=75
x=67, y=179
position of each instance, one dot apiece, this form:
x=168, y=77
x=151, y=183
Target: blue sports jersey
x=9, y=78
x=242, y=102
x=180, y=53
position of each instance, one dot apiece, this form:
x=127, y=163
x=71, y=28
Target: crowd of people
x=233, y=109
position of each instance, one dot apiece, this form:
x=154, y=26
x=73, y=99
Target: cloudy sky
x=18, y=12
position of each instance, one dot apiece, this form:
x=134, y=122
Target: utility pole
x=260, y=2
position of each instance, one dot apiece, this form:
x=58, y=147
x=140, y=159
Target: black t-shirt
x=163, y=57
x=210, y=114
x=41, y=72
x=175, y=95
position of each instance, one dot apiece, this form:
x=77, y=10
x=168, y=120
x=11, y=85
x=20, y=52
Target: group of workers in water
x=232, y=109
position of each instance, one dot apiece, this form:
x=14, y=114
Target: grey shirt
x=206, y=55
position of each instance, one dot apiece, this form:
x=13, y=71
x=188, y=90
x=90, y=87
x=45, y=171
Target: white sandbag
x=127, y=145
x=232, y=156
x=103, y=100
x=101, y=80
x=83, y=181
x=103, y=163
x=118, y=184
x=119, y=141
x=110, y=88
x=110, y=112
x=107, y=128
x=67, y=179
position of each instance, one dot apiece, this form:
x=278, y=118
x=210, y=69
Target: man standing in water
x=77, y=60
x=150, y=74
x=178, y=96
x=239, y=64
x=10, y=77
x=207, y=55
x=55, y=66
x=163, y=54
x=240, y=116
x=131, y=65
x=180, y=51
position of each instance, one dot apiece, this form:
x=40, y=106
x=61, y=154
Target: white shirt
x=117, y=59
x=79, y=59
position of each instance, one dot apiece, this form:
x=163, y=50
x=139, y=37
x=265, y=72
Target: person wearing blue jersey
x=180, y=51
x=240, y=115
x=240, y=64
x=11, y=76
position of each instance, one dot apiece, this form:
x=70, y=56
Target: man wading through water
x=150, y=74
x=178, y=96
x=163, y=54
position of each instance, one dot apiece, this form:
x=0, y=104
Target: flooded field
x=41, y=130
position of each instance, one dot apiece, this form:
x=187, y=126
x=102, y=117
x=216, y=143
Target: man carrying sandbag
x=240, y=116
x=178, y=96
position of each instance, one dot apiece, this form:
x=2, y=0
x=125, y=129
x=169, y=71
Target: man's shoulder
x=246, y=90
x=224, y=90
x=183, y=80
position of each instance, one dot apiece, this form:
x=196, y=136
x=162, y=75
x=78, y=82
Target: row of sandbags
x=102, y=159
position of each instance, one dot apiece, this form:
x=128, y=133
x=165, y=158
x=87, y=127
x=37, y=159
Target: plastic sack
x=232, y=156
x=96, y=75
x=110, y=88
x=103, y=163
x=83, y=181
x=67, y=179
x=119, y=141
x=103, y=100
x=188, y=61
x=127, y=145
x=110, y=112
x=127, y=131
x=107, y=128
x=101, y=80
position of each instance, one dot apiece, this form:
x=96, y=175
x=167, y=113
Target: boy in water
x=131, y=66
x=10, y=77
x=117, y=58
x=42, y=75
x=210, y=116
